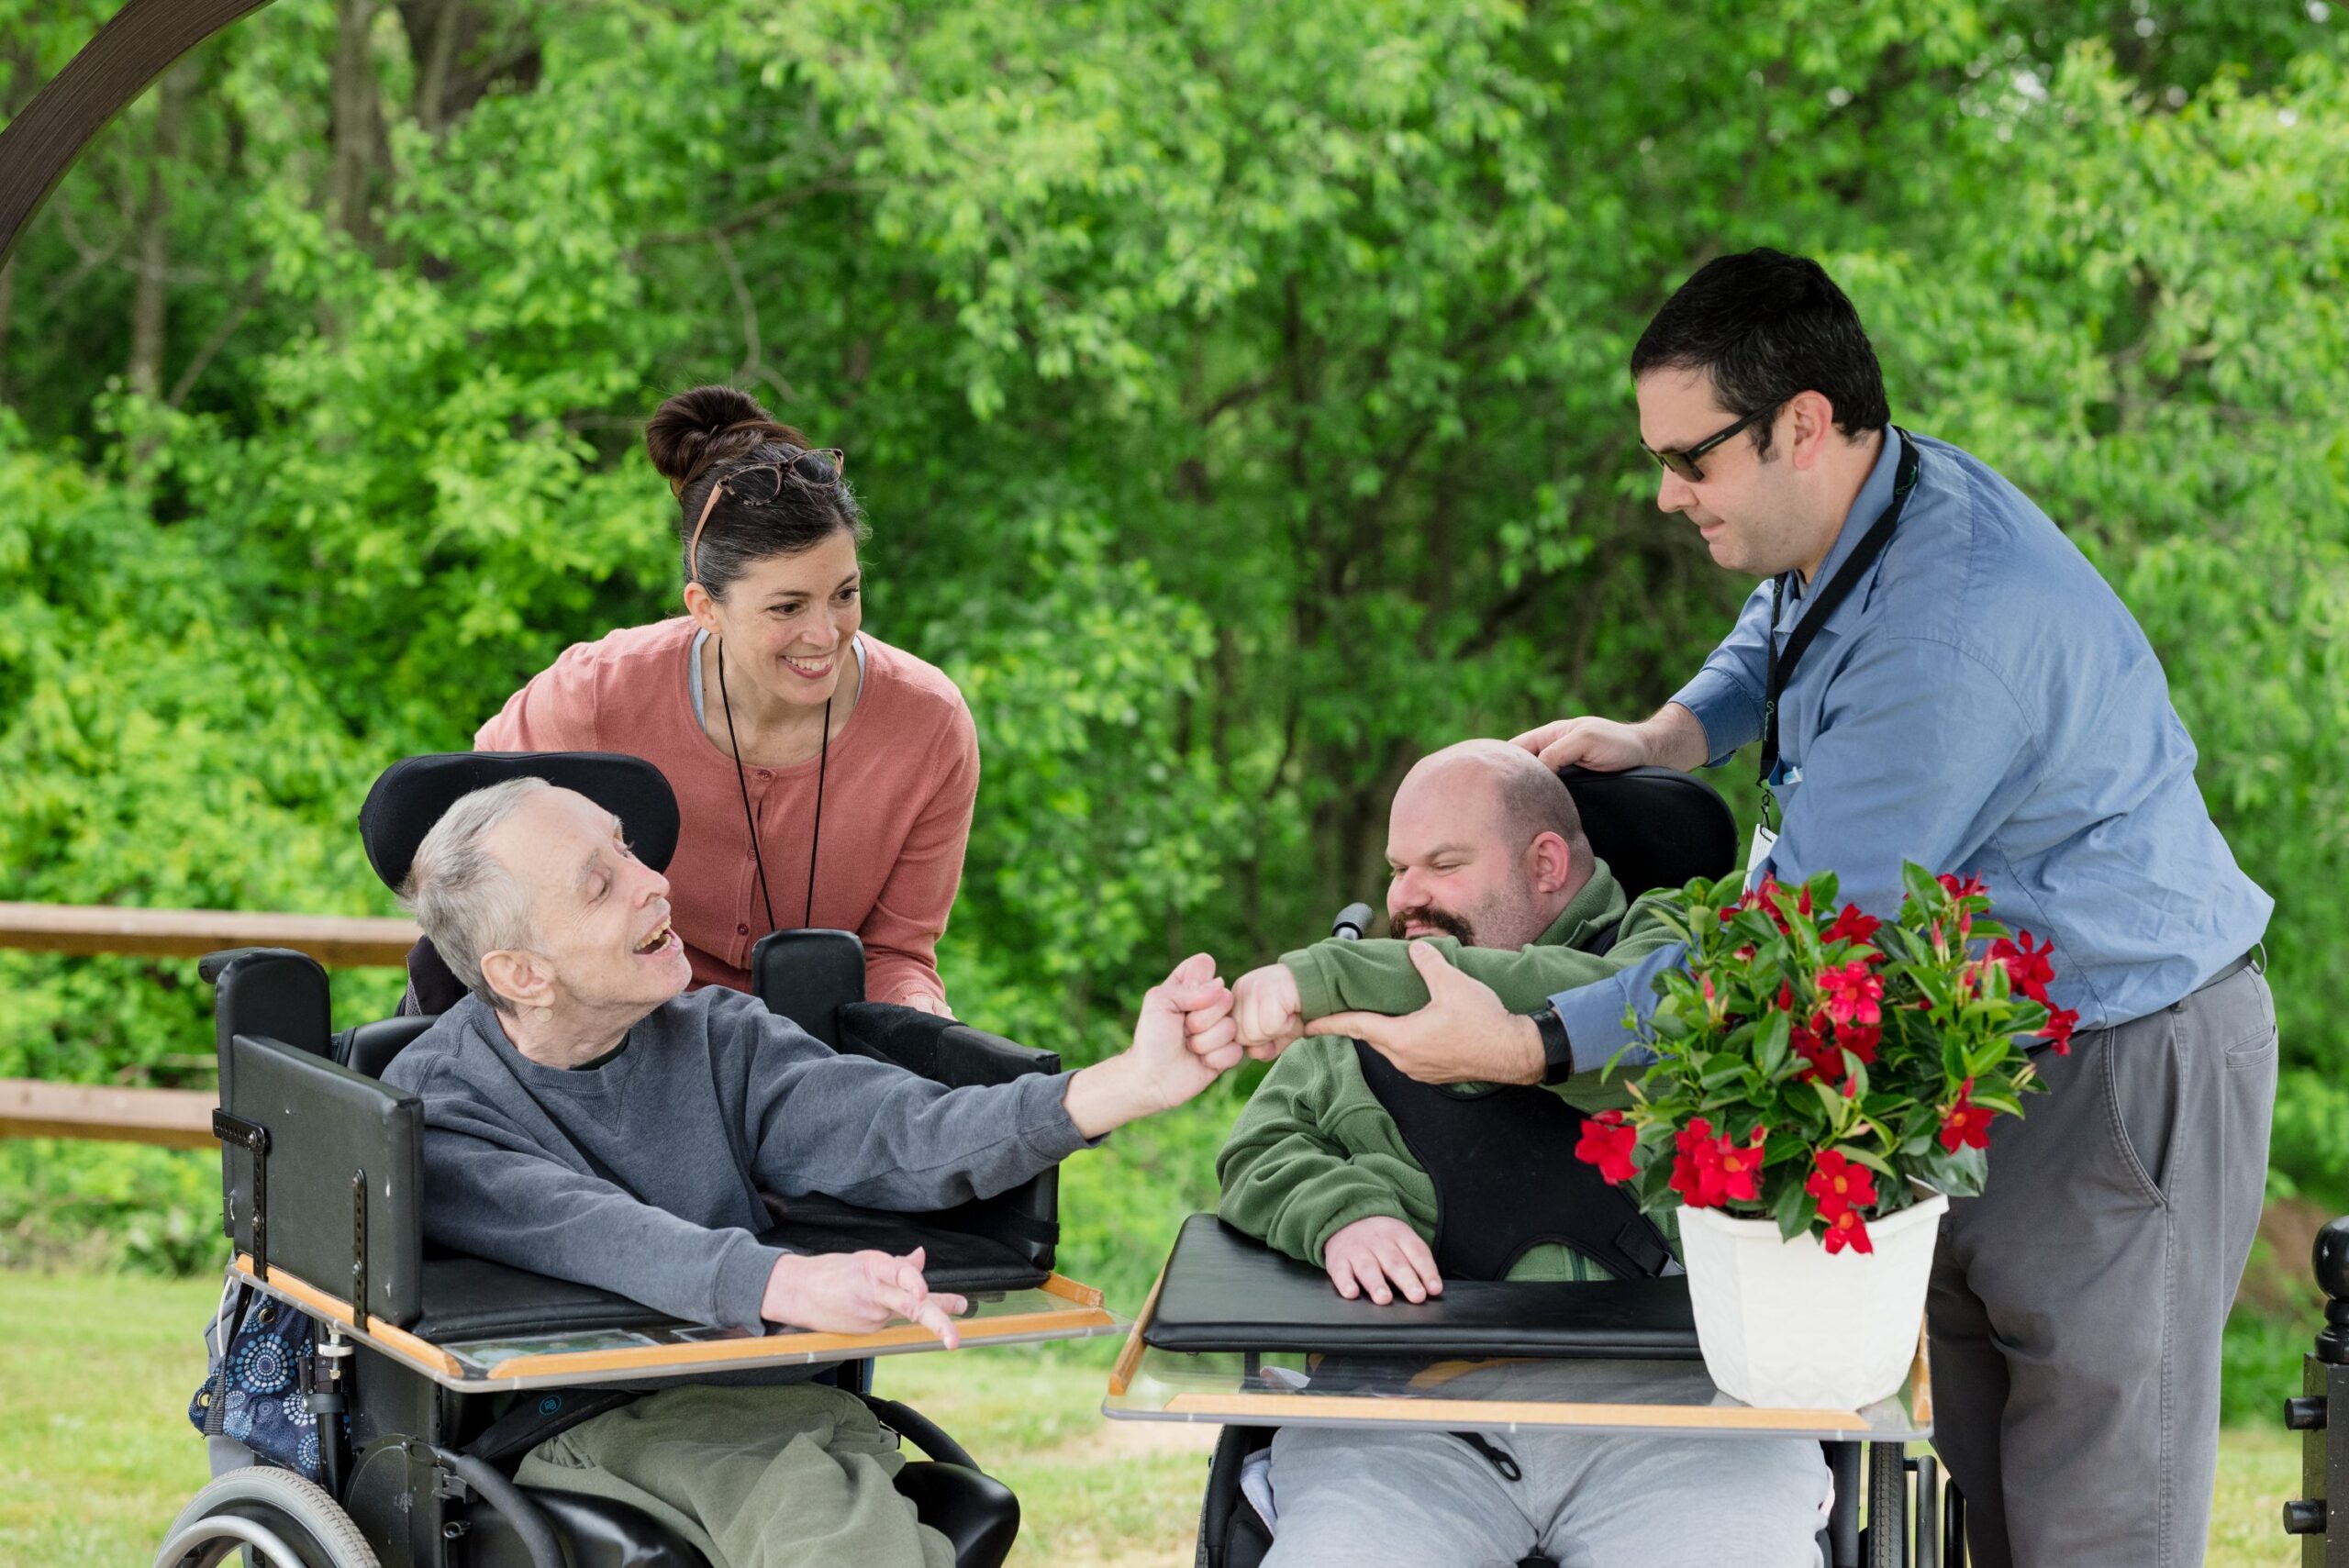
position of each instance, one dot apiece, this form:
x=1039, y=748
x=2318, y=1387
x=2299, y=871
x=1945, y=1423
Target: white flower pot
x=1785, y=1323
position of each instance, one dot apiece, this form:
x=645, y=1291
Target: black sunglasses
x=1682, y=461
x=757, y=483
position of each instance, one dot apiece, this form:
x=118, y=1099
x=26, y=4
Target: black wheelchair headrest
x=1654, y=827
x=414, y=792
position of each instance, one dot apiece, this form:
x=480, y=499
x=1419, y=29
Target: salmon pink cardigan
x=897, y=797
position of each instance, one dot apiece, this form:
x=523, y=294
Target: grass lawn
x=97, y=1455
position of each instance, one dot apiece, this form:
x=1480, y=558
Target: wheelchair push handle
x=1352, y=922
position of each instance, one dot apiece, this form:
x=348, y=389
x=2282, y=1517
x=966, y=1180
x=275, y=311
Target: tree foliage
x=1236, y=389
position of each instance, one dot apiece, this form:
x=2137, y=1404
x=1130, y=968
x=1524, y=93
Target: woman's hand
x=925, y=1002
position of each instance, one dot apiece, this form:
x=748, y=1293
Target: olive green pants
x=797, y=1476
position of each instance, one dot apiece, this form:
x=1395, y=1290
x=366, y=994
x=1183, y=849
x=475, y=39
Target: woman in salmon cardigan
x=823, y=777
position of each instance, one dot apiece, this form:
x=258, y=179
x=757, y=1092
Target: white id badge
x=1757, y=853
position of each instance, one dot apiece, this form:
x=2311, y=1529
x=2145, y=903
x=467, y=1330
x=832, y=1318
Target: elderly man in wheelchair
x=1392, y=1185
x=583, y=1120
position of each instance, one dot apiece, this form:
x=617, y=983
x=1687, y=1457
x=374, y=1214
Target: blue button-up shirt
x=1981, y=703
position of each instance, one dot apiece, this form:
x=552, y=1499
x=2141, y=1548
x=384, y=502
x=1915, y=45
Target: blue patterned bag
x=253, y=1391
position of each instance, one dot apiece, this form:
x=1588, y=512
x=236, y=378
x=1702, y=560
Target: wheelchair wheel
x=1887, y=1529
x=274, y=1516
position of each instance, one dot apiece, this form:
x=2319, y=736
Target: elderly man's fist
x=1182, y=1041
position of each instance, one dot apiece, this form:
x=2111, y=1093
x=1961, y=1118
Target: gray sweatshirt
x=641, y=1176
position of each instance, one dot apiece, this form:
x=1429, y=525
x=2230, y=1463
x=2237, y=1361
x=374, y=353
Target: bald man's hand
x=1265, y=1005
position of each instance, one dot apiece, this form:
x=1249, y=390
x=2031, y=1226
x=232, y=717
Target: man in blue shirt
x=1960, y=688
x=1965, y=692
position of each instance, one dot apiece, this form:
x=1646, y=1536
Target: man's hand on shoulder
x=1265, y=1006
x=1363, y=1256
x=1183, y=1040
x=1463, y=1035
x=857, y=1293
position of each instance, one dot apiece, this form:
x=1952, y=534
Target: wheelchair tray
x=1237, y=1333
x=487, y=1327
x=1226, y=1291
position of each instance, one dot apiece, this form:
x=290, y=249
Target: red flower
x=1972, y=887
x=1852, y=994
x=1964, y=1123
x=1839, y=1185
x=1860, y=1039
x=1707, y=1171
x=1826, y=1060
x=1696, y=1164
x=1802, y=902
x=1742, y=1168
x=1848, y=1229
x=2028, y=968
x=1851, y=926
x=2058, y=1032
x=1607, y=1143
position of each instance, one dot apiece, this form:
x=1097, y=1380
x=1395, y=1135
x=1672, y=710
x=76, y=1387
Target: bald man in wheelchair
x=1368, y=1153
x=588, y=1120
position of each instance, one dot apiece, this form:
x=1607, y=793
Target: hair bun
x=708, y=424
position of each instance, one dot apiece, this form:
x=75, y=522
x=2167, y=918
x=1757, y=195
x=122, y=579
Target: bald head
x=1525, y=798
x=1486, y=845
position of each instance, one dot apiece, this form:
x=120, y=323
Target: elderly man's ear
x=1552, y=861
x=523, y=978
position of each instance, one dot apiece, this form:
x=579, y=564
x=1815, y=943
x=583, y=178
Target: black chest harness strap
x=1506, y=1179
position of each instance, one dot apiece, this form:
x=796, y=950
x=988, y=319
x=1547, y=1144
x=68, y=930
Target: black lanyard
x=1782, y=665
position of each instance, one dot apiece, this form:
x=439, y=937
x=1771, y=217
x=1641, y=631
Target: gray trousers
x=1398, y=1499
x=2076, y=1304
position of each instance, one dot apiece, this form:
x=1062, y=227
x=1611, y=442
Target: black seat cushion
x=1226, y=1291
x=471, y=1298
x=1654, y=827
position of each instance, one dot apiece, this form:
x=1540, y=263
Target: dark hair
x=1766, y=326
x=699, y=437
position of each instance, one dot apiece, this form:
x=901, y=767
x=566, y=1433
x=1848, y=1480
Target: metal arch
x=137, y=45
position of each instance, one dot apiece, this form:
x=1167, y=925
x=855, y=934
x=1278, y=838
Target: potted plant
x=1824, y=1084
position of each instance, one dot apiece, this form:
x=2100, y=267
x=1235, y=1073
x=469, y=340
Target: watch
x=1557, y=1052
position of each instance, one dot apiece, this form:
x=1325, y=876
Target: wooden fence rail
x=175, y=1119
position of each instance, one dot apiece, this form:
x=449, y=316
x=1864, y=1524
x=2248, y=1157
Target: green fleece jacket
x=1314, y=1151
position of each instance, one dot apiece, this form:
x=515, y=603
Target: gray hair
x=467, y=901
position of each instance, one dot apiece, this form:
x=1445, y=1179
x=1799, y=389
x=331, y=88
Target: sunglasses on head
x=757, y=483
x=1682, y=461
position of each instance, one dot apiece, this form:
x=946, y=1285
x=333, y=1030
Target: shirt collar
x=1867, y=507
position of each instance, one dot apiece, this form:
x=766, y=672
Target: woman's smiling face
x=788, y=620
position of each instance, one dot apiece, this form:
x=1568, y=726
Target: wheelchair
x=431, y=1373
x=1225, y=1300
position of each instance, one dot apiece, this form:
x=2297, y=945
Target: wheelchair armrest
x=941, y=1050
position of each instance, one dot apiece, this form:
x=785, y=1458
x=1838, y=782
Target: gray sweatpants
x=1365, y=1499
x=2076, y=1304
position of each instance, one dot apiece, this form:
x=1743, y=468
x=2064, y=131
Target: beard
x=1444, y=920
